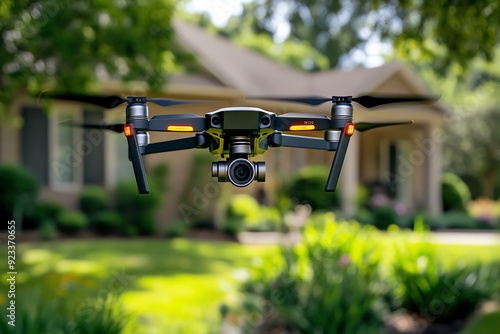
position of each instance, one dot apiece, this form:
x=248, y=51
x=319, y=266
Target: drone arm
x=277, y=139
x=200, y=140
x=137, y=164
x=338, y=160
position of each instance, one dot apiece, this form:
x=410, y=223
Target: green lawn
x=172, y=286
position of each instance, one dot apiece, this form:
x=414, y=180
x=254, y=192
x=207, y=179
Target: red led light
x=349, y=129
x=128, y=130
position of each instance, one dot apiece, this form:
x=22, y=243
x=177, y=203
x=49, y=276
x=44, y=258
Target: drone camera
x=240, y=172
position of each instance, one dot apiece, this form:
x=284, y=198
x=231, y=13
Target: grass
x=172, y=286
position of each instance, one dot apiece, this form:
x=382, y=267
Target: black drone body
x=238, y=133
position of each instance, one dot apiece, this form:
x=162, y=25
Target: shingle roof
x=255, y=74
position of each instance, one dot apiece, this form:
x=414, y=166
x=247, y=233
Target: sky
x=221, y=10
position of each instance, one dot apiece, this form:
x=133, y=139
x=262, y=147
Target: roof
x=232, y=72
x=255, y=74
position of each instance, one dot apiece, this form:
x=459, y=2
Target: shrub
x=48, y=230
x=93, y=200
x=456, y=194
x=241, y=210
x=269, y=220
x=107, y=222
x=363, y=216
x=38, y=314
x=71, y=222
x=432, y=221
x=18, y=191
x=458, y=220
x=41, y=212
x=306, y=187
x=427, y=288
x=176, y=229
x=327, y=284
x=383, y=217
x=138, y=210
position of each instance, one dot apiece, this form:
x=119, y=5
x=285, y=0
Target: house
x=405, y=159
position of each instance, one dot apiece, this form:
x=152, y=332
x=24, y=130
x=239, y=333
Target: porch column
x=433, y=149
x=349, y=177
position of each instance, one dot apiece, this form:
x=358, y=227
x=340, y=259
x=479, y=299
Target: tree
x=331, y=27
x=240, y=30
x=471, y=148
x=450, y=32
x=59, y=44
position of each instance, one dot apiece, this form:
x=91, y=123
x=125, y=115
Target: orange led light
x=180, y=128
x=349, y=129
x=128, y=130
x=302, y=127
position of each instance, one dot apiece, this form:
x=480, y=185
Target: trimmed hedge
x=456, y=194
x=18, y=191
x=307, y=187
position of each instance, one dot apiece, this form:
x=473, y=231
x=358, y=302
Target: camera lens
x=265, y=121
x=215, y=121
x=241, y=172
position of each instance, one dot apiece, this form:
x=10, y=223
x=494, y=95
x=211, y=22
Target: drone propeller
x=366, y=101
x=118, y=128
x=113, y=101
x=364, y=126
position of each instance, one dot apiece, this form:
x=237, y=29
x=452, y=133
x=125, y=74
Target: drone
x=238, y=133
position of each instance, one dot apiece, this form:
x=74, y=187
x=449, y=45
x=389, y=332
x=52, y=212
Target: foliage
x=241, y=210
x=107, y=222
x=33, y=315
x=138, y=210
x=42, y=212
x=18, y=191
x=327, y=284
x=48, y=230
x=456, y=195
x=243, y=213
x=448, y=33
x=39, y=314
x=71, y=222
x=176, y=229
x=93, y=200
x=425, y=286
x=108, y=317
x=269, y=220
x=458, y=220
x=383, y=217
x=314, y=22
x=59, y=45
x=302, y=188
x=471, y=122
x=425, y=29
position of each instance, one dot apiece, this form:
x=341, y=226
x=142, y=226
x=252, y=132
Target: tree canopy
x=68, y=45
x=449, y=32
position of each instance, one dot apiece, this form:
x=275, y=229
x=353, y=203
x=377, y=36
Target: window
x=66, y=148
x=396, y=174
